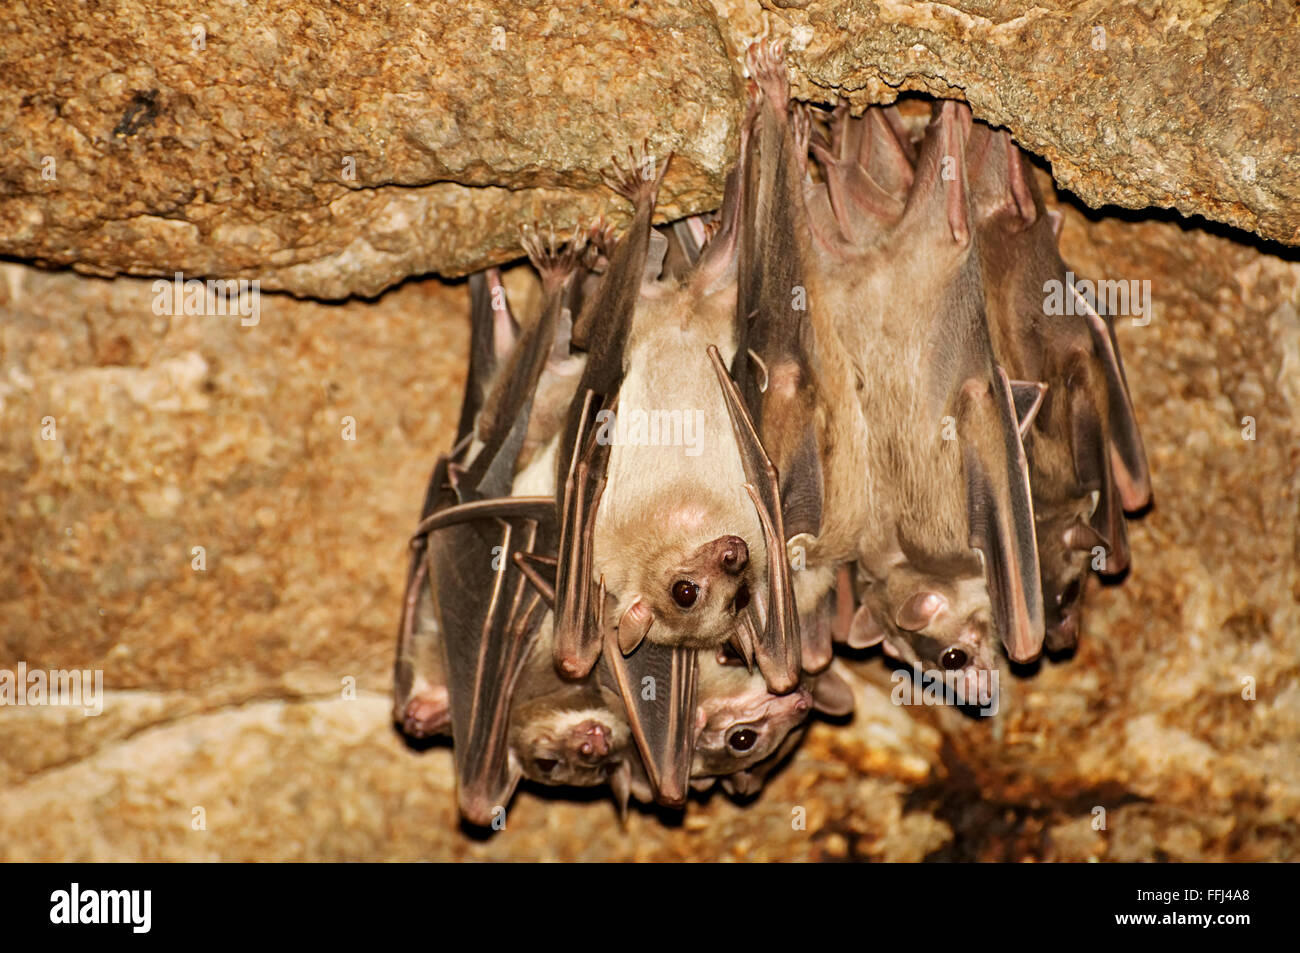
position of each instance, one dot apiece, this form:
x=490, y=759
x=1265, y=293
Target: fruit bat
x=947, y=543
x=421, y=703
x=671, y=538
x=1087, y=462
x=564, y=732
x=485, y=603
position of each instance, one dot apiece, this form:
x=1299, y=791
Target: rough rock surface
x=229, y=688
x=335, y=150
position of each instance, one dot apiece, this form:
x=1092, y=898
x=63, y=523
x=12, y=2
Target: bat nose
x=591, y=740
x=733, y=554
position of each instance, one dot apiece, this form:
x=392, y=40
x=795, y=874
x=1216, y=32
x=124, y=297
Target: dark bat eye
x=685, y=593
x=953, y=658
x=743, y=739
x=546, y=765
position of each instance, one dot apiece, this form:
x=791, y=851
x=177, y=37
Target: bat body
x=945, y=525
x=1086, y=457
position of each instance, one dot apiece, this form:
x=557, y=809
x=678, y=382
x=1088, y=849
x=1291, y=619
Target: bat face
x=740, y=722
x=937, y=623
x=567, y=740
x=679, y=589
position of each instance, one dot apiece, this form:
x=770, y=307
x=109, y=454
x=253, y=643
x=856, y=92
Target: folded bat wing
x=658, y=687
x=1001, y=513
x=490, y=615
x=577, y=635
x=772, y=304
x=1128, y=455
x=776, y=643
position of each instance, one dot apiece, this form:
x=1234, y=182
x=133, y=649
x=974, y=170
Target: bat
x=564, y=732
x=1087, y=461
x=947, y=543
x=671, y=540
x=487, y=600
x=421, y=702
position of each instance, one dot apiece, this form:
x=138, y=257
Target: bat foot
x=766, y=62
x=554, y=259
x=426, y=714
x=638, y=182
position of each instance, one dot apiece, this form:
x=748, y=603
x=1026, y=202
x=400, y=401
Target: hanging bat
x=421, y=703
x=563, y=732
x=1087, y=462
x=666, y=544
x=947, y=543
x=488, y=606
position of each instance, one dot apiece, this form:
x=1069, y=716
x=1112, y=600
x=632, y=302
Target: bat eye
x=743, y=739
x=953, y=658
x=685, y=593
x=546, y=765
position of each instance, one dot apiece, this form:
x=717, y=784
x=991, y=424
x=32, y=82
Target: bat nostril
x=735, y=554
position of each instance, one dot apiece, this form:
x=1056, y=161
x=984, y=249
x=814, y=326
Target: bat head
x=684, y=577
x=739, y=722
x=567, y=742
x=938, y=623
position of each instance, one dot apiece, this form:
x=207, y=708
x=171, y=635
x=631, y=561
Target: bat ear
x=633, y=625
x=742, y=638
x=920, y=610
x=1081, y=537
x=865, y=630
x=832, y=695
x=620, y=783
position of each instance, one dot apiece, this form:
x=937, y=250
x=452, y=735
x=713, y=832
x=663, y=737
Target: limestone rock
x=331, y=150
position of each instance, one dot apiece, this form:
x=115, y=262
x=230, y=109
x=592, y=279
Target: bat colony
x=849, y=364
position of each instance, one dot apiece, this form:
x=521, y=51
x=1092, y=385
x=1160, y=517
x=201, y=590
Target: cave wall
x=257, y=687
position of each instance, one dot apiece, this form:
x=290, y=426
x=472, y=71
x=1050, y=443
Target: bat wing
x=1092, y=458
x=776, y=643
x=1128, y=455
x=1001, y=514
x=774, y=329
x=658, y=686
x=1000, y=509
x=490, y=617
x=577, y=634
x=493, y=333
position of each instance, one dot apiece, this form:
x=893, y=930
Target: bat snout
x=589, y=741
x=732, y=554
